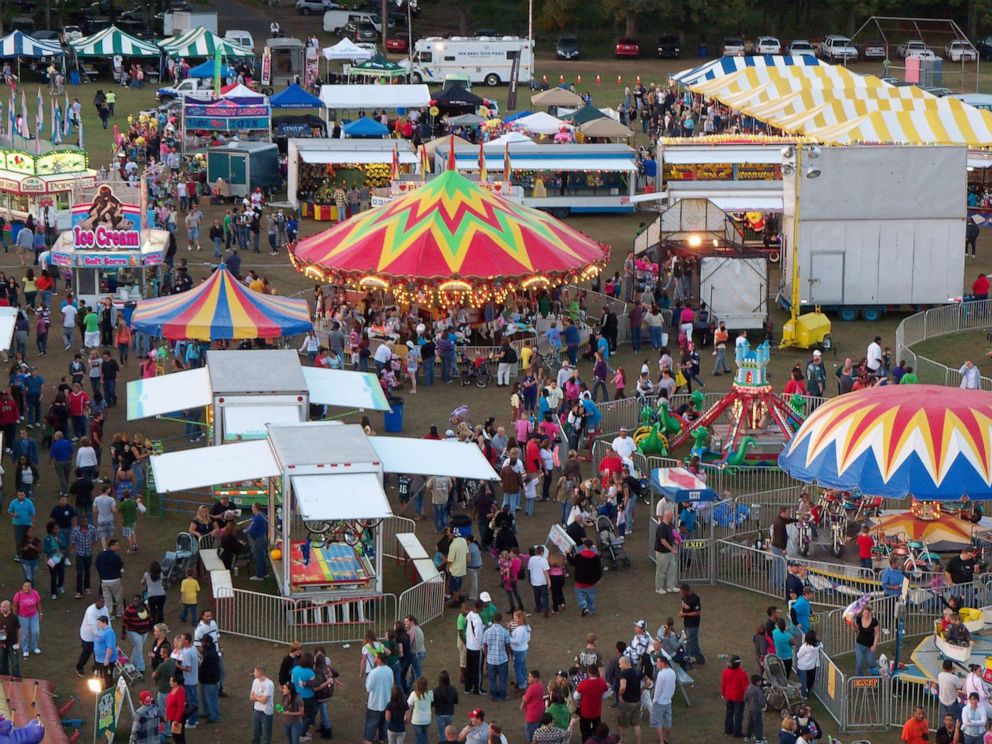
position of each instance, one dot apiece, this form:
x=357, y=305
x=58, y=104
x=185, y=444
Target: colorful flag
x=396, y=161
x=507, y=170
x=66, y=124
x=218, y=63
x=12, y=119
x=425, y=162
x=451, y=153
x=25, y=127
x=482, y=163
x=57, y=125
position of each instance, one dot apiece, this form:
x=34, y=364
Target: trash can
x=393, y=420
x=74, y=77
x=461, y=524
x=703, y=50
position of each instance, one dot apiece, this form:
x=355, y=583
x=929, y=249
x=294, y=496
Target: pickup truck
x=834, y=48
x=201, y=88
x=913, y=48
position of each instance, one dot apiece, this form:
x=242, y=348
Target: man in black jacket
x=588, y=571
x=210, y=679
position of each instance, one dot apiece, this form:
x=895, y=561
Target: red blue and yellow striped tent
x=221, y=308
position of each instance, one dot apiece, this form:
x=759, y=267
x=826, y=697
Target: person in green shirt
x=461, y=625
x=909, y=377
x=128, y=509
x=559, y=711
x=488, y=612
x=91, y=329
x=228, y=230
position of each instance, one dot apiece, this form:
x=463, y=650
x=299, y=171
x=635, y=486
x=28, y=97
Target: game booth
x=109, y=250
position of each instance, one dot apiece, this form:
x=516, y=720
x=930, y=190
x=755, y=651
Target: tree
x=629, y=12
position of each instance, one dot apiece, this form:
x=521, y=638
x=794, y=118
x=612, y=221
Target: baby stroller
x=611, y=543
x=125, y=668
x=177, y=562
x=782, y=694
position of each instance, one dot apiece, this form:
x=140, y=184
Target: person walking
x=54, y=559
x=27, y=605
x=419, y=711
x=110, y=567
x=175, y=708
x=263, y=707
x=474, y=631
x=690, y=611
x=588, y=567
x=520, y=635
x=155, y=592
x=147, y=719
x=137, y=625
x=87, y=634
x=444, y=702
x=10, y=641
x=496, y=647
x=22, y=513
x=539, y=576
x=733, y=683
x=661, y=698
x=379, y=686
x=665, y=549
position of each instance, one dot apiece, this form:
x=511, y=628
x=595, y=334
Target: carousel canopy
x=928, y=441
x=113, y=41
x=19, y=44
x=198, y=43
x=295, y=97
x=450, y=237
x=221, y=308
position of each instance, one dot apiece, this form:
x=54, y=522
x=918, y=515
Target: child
x=530, y=491
x=754, y=705
x=515, y=402
x=396, y=717
x=187, y=594
x=128, y=509
x=619, y=381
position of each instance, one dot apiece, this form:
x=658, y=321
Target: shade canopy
x=447, y=237
x=365, y=128
x=207, y=69
x=19, y=44
x=678, y=484
x=374, y=96
x=456, y=97
x=201, y=42
x=465, y=120
x=112, y=41
x=541, y=123
x=584, y=114
x=378, y=66
x=221, y=308
x=605, y=127
x=295, y=97
x=928, y=441
x=556, y=97
x=346, y=49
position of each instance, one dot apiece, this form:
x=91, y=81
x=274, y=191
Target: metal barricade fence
x=829, y=688
x=425, y=601
x=391, y=527
x=749, y=568
x=867, y=702
x=902, y=697
x=282, y=620
x=940, y=321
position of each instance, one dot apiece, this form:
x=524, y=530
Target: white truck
x=180, y=21
x=201, y=88
x=877, y=227
x=484, y=59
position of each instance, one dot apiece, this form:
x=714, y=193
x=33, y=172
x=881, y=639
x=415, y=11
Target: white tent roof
x=511, y=138
x=243, y=91
x=334, y=387
x=346, y=49
x=208, y=466
x=426, y=456
x=374, y=96
x=541, y=123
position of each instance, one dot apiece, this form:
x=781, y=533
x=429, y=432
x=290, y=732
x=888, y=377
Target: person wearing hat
x=733, y=685
x=477, y=730
x=816, y=375
x=639, y=644
x=144, y=729
x=488, y=611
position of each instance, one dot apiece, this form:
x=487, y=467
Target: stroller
x=610, y=542
x=783, y=694
x=177, y=562
x=125, y=668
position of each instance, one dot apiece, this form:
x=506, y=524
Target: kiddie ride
x=840, y=509
x=747, y=426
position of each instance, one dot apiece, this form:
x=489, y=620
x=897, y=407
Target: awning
x=432, y=457
x=111, y=41
x=374, y=96
x=334, y=387
x=207, y=466
x=324, y=157
x=678, y=484
x=689, y=155
x=748, y=204
x=729, y=65
x=19, y=44
x=294, y=97
x=174, y=392
x=346, y=49
x=249, y=421
x=324, y=498
x=563, y=164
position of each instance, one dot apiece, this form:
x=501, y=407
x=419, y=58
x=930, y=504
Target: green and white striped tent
x=200, y=43
x=111, y=41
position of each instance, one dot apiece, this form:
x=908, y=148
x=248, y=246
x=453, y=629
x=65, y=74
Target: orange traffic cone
x=638, y=79
x=561, y=78
x=578, y=79
x=599, y=80
x=619, y=79
x=545, y=79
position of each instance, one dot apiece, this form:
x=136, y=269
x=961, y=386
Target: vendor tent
x=432, y=146
x=457, y=98
x=465, y=120
x=556, y=97
x=298, y=126
x=729, y=65
x=374, y=96
x=605, y=127
x=207, y=69
x=19, y=44
x=516, y=115
x=242, y=93
x=365, y=128
x=378, y=66
x=112, y=41
x=541, y=123
x=295, y=97
x=510, y=138
x=198, y=43
x=221, y=308
x=585, y=114
x=346, y=49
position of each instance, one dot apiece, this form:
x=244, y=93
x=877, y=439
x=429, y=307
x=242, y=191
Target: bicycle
x=476, y=370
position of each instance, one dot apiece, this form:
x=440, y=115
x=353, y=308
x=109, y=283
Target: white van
x=484, y=59
x=239, y=37
x=336, y=21
x=978, y=100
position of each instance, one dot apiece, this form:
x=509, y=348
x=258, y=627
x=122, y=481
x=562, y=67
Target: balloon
x=420, y=329
x=276, y=554
x=434, y=110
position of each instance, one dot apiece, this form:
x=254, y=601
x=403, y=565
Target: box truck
x=180, y=21
x=484, y=59
x=876, y=226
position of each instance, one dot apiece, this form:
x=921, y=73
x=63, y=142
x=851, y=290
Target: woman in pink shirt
x=27, y=605
x=523, y=427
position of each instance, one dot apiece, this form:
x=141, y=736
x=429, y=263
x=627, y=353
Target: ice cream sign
x=104, y=238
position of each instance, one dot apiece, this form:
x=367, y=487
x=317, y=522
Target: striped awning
x=200, y=43
x=19, y=44
x=729, y=65
x=112, y=41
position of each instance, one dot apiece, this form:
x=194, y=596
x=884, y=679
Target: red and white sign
x=105, y=238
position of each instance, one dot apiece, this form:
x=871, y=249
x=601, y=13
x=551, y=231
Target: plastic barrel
x=393, y=420
x=703, y=51
x=74, y=77
x=461, y=524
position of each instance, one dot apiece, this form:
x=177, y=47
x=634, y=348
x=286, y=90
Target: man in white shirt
x=383, y=354
x=624, y=446
x=69, y=312
x=873, y=358
x=208, y=627
x=538, y=573
x=564, y=374
x=473, y=646
x=262, y=698
x=661, y=698
x=87, y=634
x=971, y=378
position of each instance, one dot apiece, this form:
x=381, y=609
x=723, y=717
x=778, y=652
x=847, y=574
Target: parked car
x=801, y=46
x=767, y=45
x=834, y=48
x=874, y=50
x=399, y=43
x=567, y=47
x=627, y=47
x=307, y=7
x=936, y=90
x=668, y=46
x=985, y=48
x=960, y=50
x=733, y=47
x=71, y=33
x=927, y=53
x=908, y=48
x=365, y=32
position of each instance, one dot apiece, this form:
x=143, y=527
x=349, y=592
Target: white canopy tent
x=346, y=49
x=374, y=96
x=510, y=138
x=244, y=92
x=541, y=123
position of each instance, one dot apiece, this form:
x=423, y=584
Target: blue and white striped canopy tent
x=19, y=44
x=729, y=65
x=112, y=41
